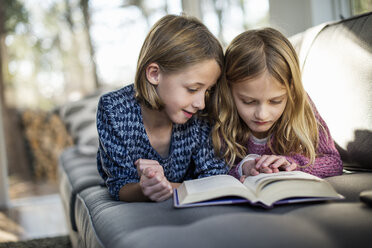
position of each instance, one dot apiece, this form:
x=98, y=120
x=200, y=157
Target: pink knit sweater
x=327, y=163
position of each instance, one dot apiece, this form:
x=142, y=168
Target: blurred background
x=53, y=52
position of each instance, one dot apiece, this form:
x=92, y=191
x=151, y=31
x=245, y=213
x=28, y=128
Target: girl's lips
x=261, y=123
x=187, y=114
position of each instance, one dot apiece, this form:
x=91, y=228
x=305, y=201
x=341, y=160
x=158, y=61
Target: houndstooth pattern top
x=123, y=140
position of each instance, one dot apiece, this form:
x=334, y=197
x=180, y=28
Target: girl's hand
x=249, y=169
x=153, y=183
x=274, y=163
x=142, y=164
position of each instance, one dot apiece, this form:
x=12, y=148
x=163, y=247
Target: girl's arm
x=116, y=164
x=132, y=192
x=153, y=186
x=328, y=161
x=114, y=161
x=120, y=178
x=234, y=171
x=237, y=170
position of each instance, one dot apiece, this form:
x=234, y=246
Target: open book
x=264, y=189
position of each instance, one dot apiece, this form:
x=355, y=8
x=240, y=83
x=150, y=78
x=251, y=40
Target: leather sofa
x=336, y=60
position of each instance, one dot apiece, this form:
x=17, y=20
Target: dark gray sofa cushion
x=329, y=225
x=351, y=185
x=120, y=224
x=234, y=230
x=76, y=171
x=79, y=118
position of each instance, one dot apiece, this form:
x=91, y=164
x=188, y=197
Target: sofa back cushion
x=336, y=63
x=79, y=118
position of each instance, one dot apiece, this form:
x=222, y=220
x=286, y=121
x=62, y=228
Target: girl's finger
x=242, y=178
x=270, y=160
x=247, y=166
x=280, y=162
x=266, y=170
x=162, y=195
x=150, y=178
x=254, y=172
x=141, y=164
x=145, y=161
x=154, y=165
x=291, y=167
x=260, y=161
x=149, y=188
x=160, y=190
x=149, y=172
x=157, y=178
x=275, y=170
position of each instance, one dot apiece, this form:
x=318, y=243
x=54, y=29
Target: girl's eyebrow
x=273, y=98
x=245, y=96
x=196, y=83
x=278, y=97
x=200, y=84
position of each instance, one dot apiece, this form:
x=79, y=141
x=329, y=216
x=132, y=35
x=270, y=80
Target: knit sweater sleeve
x=328, y=161
x=114, y=160
x=234, y=171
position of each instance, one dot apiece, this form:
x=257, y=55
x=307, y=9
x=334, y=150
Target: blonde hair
x=174, y=43
x=248, y=56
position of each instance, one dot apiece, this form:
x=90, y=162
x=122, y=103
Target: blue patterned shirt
x=123, y=140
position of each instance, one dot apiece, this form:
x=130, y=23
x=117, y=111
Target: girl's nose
x=261, y=112
x=198, y=101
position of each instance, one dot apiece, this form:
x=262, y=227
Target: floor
x=35, y=209
x=36, y=214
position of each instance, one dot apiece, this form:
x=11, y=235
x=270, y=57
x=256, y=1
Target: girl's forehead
x=263, y=81
x=261, y=87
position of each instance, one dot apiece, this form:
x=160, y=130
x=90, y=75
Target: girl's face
x=260, y=102
x=183, y=93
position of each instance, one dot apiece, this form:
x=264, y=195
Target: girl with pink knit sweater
x=268, y=122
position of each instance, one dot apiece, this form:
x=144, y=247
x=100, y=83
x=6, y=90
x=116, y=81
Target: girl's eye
x=276, y=102
x=192, y=89
x=248, y=102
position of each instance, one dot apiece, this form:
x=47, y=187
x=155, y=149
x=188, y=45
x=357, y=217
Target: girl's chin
x=180, y=120
x=259, y=133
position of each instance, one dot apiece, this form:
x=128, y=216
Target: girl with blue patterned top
x=151, y=135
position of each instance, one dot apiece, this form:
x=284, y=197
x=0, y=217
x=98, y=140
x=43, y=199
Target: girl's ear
x=152, y=73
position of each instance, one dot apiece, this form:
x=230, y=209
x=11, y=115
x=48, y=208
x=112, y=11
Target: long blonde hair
x=247, y=56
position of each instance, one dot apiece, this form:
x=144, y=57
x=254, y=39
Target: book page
x=212, y=183
x=296, y=188
x=212, y=187
x=256, y=182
